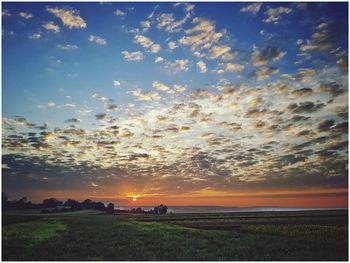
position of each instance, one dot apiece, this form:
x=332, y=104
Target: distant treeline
x=52, y=205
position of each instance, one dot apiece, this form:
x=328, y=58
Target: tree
x=161, y=209
x=51, y=202
x=110, y=208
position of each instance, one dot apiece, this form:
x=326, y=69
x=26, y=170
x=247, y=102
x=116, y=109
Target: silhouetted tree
x=51, y=202
x=5, y=202
x=110, y=208
x=75, y=205
x=99, y=206
x=161, y=209
x=87, y=204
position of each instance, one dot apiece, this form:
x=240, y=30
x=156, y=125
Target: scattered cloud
x=34, y=36
x=51, y=27
x=274, y=15
x=116, y=83
x=252, y=8
x=132, y=56
x=68, y=47
x=147, y=43
x=266, y=55
x=146, y=96
x=172, y=45
x=69, y=17
x=159, y=60
x=321, y=40
x=119, y=12
x=25, y=15
x=98, y=40
x=177, y=65
x=202, y=66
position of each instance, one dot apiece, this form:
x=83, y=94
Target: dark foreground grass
x=87, y=235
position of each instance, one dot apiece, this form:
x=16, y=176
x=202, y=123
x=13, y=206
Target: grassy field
x=89, y=235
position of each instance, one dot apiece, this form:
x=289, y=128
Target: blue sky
x=204, y=74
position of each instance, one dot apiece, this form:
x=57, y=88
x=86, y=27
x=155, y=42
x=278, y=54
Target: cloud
x=132, y=56
x=305, y=75
x=145, y=25
x=73, y=120
x=160, y=86
x=266, y=55
x=159, y=60
x=274, y=15
x=321, y=40
x=332, y=88
x=169, y=23
x=98, y=40
x=99, y=98
x=5, y=12
x=264, y=72
x=252, y=8
x=34, y=36
x=307, y=107
x=177, y=65
x=69, y=17
x=202, y=35
x=68, y=47
x=147, y=43
x=325, y=125
x=25, y=15
x=51, y=27
x=146, y=96
x=303, y=92
x=119, y=12
x=116, y=83
x=172, y=45
x=101, y=116
x=202, y=66
x=231, y=67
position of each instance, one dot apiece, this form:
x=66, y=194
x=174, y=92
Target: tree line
x=52, y=205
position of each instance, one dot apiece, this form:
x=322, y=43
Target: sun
x=134, y=198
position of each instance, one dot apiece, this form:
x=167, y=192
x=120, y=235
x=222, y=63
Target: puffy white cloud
x=218, y=51
x=5, y=12
x=178, y=65
x=172, y=45
x=321, y=40
x=146, y=96
x=132, y=56
x=69, y=17
x=98, y=40
x=275, y=14
x=202, y=35
x=68, y=47
x=34, y=36
x=169, y=23
x=116, y=83
x=51, y=27
x=155, y=48
x=159, y=60
x=25, y=15
x=202, y=66
x=119, y=12
x=147, y=43
x=145, y=25
x=252, y=8
x=160, y=86
x=231, y=67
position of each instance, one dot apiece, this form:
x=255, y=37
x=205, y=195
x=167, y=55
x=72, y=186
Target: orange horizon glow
x=317, y=198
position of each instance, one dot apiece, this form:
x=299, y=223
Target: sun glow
x=134, y=198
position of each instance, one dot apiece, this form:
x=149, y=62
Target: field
x=90, y=235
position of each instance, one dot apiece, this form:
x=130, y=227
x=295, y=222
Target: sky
x=199, y=103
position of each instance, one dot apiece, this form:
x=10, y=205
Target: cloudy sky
x=236, y=104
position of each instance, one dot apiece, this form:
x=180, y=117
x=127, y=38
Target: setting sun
x=134, y=198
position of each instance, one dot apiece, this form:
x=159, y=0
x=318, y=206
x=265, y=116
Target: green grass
x=88, y=235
